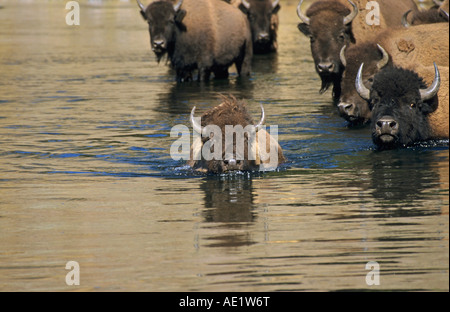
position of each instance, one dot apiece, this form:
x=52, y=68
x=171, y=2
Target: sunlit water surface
x=86, y=173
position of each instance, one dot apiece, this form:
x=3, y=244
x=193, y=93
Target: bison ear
x=143, y=15
x=304, y=28
x=429, y=106
x=243, y=8
x=179, y=16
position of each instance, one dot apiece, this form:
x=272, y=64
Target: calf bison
x=204, y=35
x=331, y=24
x=401, y=104
x=229, y=140
x=263, y=18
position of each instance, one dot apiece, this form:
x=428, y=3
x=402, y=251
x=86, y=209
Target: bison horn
x=342, y=56
x=349, y=18
x=275, y=3
x=405, y=22
x=246, y=4
x=196, y=126
x=385, y=60
x=261, y=122
x=445, y=14
x=438, y=3
x=431, y=91
x=177, y=6
x=141, y=5
x=359, y=84
x=301, y=15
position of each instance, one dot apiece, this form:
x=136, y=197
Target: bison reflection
x=400, y=104
x=229, y=203
x=243, y=151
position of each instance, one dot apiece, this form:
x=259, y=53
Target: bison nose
x=158, y=43
x=263, y=36
x=325, y=67
x=387, y=125
x=347, y=109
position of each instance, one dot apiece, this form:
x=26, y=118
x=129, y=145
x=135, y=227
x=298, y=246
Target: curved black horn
x=431, y=91
x=342, y=56
x=360, y=87
x=177, y=6
x=405, y=22
x=349, y=18
x=261, y=122
x=196, y=126
x=385, y=60
x=246, y=4
x=301, y=15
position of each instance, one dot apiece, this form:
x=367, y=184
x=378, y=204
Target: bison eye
x=413, y=105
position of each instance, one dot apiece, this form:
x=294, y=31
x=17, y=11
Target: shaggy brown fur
x=231, y=112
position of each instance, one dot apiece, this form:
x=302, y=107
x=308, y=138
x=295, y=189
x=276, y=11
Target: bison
x=401, y=107
x=351, y=106
x=331, y=24
x=216, y=150
x=263, y=18
x=404, y=47
x=204, y=35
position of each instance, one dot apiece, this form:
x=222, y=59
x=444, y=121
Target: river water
x=86, y=173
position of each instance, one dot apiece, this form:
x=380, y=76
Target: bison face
x=226, y=139
x=328, y=25
x=259, y=13
x=352, y=107
x=163, y=18
x=400, y=106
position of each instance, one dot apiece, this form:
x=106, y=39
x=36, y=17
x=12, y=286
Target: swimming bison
x=204, y=35
x=228, y=140
x=401, y=104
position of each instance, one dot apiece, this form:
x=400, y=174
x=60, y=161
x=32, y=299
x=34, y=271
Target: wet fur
x=393, y=91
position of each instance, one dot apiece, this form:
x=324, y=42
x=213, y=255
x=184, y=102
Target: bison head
x=328, y=25
x=400, y=103
x=259, y=13
x=215, y=151
x=163, y=18
x=352, y=107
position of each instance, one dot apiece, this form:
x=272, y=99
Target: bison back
x=215, y=33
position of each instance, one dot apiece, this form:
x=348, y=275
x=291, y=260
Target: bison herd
x=386, y=61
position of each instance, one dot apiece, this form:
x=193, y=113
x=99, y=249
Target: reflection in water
x=229, y=202
x=388, y=176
